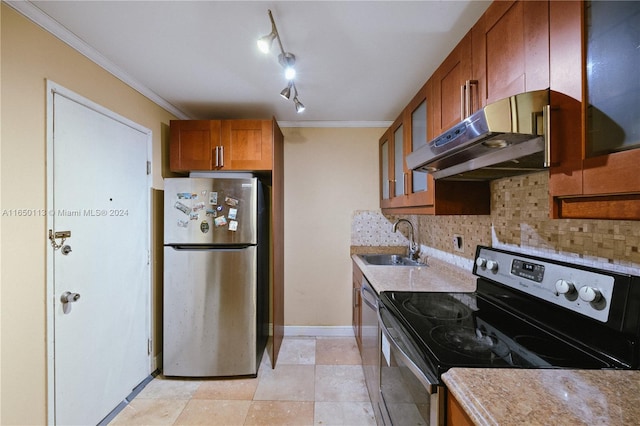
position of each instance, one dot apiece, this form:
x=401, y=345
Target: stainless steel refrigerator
x=215, y=318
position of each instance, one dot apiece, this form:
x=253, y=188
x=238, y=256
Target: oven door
x=409, y=391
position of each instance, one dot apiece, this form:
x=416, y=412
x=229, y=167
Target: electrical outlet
x=458, y=244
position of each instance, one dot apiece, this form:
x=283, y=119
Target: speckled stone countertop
x=547, y=397
x=437, y=276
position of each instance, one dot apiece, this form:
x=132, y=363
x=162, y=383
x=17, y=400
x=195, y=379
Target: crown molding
x=33, y=13
x=336, y=124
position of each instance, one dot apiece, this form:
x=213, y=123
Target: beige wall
x=329, y=173
x=29, y=56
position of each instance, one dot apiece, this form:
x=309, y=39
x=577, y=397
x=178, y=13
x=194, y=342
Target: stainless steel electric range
x=527, y=312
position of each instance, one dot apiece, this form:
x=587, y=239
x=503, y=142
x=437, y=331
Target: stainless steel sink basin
x=389, y=260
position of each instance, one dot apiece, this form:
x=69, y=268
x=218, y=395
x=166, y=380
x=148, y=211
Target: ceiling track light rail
x=286, y=59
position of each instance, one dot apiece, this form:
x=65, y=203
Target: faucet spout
x=414, y=250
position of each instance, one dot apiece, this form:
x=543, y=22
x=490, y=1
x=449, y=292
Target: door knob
x=68, y=297
x=66, y=249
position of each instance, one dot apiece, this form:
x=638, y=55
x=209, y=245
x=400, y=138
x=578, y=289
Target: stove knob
x=481, y=262
x=590, y=294
x=492, y=265
x=565, y=287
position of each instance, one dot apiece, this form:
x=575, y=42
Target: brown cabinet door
x=246, y=145
x=511, y=49
x=448, y=81
x=193, y=144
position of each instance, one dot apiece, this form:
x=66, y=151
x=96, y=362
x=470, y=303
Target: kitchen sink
x=389, y=260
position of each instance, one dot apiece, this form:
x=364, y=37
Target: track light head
x=286, y=92
x=299, y=106
x=288, y=61
x=265, y=42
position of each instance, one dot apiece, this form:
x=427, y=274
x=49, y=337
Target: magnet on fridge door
x=211, y=213
x=213, y=198
x=193, y=216
x=233, y=225
x=204, y=227
x=182, y=223
x=186, y=196
x=231, y=201
x=183, y=208
x=233, y=213
x=220, y=221
x=198, y=206
x=219, y=208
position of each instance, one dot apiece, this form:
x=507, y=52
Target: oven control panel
x=572, y=287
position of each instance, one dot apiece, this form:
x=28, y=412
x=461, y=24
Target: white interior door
x=98, y=191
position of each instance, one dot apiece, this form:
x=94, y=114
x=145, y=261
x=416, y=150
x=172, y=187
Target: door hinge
x=148, y=167
x=149, y=346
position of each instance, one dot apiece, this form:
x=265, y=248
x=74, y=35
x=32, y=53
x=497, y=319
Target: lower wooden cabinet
x=456, y=416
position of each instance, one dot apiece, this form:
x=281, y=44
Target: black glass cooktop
x=466, y=330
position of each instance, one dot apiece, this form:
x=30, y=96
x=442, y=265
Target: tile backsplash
x=519, y=221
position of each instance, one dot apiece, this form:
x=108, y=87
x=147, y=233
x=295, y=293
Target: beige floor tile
x=164, y=388
x=298, y=350
x=234, y=389
x=344, y=413
x=337, y=351
x=150, y=412
x=287, y=383
x=212, y=412
x=276, y=413
x=340, y=383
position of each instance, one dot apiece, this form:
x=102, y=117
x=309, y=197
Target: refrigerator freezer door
x=210, y=211
x=210, y=321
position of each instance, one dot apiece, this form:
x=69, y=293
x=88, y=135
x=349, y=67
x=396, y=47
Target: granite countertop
x=436, y=276
x=546, y=397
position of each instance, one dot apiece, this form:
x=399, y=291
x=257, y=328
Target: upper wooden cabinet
x=453, y=86
x=221, y=145
x=404, y=191
x=594, y=92
x=510, y=49
x=192, y=144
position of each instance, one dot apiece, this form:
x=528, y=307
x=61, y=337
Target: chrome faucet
x=414, y=250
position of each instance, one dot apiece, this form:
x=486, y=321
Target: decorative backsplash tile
x=519, y=221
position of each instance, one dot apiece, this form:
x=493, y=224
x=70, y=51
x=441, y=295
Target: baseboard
x=318, y=331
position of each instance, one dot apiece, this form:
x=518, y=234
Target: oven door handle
x=430, y=385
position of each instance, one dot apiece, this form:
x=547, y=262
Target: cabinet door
x=246, y=145
x=511, y=49
x=386, y=170
x=420, y=185
x=448, y=82
x=192, y=144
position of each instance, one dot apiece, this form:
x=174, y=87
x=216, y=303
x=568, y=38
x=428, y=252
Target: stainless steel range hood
x=505, y=138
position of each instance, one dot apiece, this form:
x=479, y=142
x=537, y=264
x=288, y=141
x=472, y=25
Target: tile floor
x=317, y=381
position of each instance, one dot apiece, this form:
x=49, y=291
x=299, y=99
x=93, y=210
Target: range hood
x=505, y=138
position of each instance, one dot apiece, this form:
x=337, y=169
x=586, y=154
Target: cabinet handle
x=221, y=156
x=404, y=183
x=546, y=129
x=465, y=98
x=469, y=84
x=462, y=97
x=217, y=161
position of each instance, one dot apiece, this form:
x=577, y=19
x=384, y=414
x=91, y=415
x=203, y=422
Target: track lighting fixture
x=286, y=59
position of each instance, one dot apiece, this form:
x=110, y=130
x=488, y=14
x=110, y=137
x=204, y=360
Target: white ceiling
x=357, y=61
